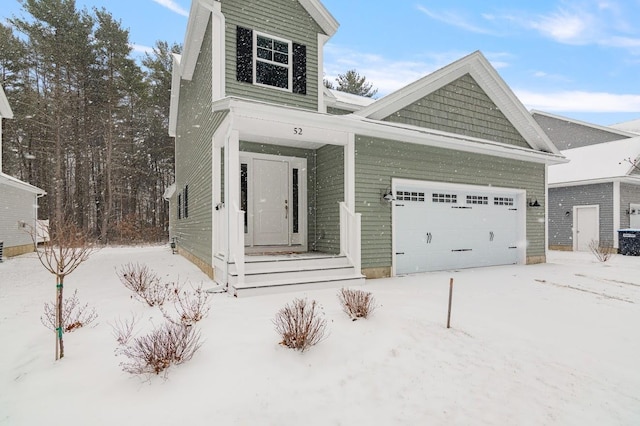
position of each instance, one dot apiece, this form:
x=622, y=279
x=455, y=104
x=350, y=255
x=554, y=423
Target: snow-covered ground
x=551, y=344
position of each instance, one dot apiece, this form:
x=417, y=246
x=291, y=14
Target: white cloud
x=565, y=26
x=173, y=6
x=456, y=19
x=139, y=48
x=579, y=101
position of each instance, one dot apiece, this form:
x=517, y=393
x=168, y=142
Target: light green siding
x=286, y=19
x=380, y=160
x=329, y=192
x=195, y=127
x=286, y=151
x=461, y=107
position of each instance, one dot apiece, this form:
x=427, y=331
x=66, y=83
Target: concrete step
x=297, y=284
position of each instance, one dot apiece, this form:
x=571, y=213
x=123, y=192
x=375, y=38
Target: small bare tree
x=67, y=247
x=74, y=315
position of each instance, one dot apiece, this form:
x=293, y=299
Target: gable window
x=272, y=61
x=266, y=60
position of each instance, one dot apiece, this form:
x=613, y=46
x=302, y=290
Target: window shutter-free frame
x=244, y=55
x=299, y=69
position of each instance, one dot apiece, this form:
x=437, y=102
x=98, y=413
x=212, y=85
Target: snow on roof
x=17, y=183
x=629, y=126
x=600, y=161
x=351, y=98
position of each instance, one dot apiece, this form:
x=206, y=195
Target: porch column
x=350, y=172
x=235, y=228
x=218, y=238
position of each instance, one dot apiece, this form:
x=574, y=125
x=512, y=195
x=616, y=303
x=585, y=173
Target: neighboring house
x=18, y=203
x=567, y=133
x=274, y=170
x=598, y=191
x=629, y=126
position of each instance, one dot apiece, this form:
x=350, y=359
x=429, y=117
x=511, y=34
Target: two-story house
x=280, y=182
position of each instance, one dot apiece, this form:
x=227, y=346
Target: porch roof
x=274, y=124
x=5, y=179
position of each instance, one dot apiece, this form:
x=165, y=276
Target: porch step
x=298, y=284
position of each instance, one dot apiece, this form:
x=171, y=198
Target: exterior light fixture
x=388, y=196
x=533, y=203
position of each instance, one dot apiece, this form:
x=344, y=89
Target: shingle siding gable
x=461, y=107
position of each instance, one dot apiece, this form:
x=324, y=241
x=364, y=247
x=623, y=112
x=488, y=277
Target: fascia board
x=5, y=108
x=175, y=94
x=321, y=15
x=393, y=131
x=194, y=36
x=485, y=75
x=621, y=179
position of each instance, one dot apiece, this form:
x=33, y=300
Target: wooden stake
x=450, y=297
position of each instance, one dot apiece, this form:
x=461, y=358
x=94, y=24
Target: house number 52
x=297, y=130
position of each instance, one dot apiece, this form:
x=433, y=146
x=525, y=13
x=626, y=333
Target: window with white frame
x=272, y=61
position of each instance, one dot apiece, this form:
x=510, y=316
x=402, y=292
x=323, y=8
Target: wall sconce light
x=388, y=196
x=533, y=203
x=633, y=211
x=567, y=213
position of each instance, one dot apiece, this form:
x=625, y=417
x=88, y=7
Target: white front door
x=271, y=202
x=586, y=226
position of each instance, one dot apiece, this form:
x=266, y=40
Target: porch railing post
x=350, y=235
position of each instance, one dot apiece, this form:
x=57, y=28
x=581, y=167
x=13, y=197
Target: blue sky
x=577, y=58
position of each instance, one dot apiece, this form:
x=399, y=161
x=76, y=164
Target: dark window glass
x=186, y=201
x=179, y=206
x=296, y=202
x=243, y=194
x=272, y=75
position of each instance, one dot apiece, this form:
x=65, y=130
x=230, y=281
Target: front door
x=586, y=227
x=271, y=202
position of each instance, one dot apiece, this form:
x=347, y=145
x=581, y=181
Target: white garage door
x=440, y=226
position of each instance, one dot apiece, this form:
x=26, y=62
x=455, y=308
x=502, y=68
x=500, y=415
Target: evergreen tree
x=353, y=82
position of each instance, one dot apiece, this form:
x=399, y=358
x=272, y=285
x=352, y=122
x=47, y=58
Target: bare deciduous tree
x=66, y=248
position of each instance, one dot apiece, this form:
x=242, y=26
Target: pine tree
x=353, y=82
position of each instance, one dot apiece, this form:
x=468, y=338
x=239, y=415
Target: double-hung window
x=272, y=61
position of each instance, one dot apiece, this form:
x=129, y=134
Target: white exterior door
x=586, y=226
x=271, y=202
x=441, y=226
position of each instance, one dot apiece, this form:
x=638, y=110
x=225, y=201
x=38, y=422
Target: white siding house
x=18, y=203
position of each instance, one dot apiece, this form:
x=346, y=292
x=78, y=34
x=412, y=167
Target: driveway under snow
x=550, y=344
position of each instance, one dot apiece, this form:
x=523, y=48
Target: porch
x=284, y=215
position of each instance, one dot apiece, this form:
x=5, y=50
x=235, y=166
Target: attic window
x=270, y=61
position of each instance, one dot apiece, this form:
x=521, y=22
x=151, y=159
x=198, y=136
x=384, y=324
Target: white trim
x=174, y=102
x=489, y=80
x=332, y=129
x=218, y=34
x=194, y=36
x=616, y=212
x=632, y=179
x=322, y=39
x=321, y=15
x=575, y=227
x=350, y=173
x=301, y=238
x=546, y=211
x=288, y=66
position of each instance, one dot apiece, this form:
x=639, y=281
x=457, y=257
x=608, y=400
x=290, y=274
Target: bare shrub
x=191, y=305
x=300, y=324
x=74, y=315
x=602, y=251
x=170, y=344
x=145, y=284
x=123, y=330
x=356, y=303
